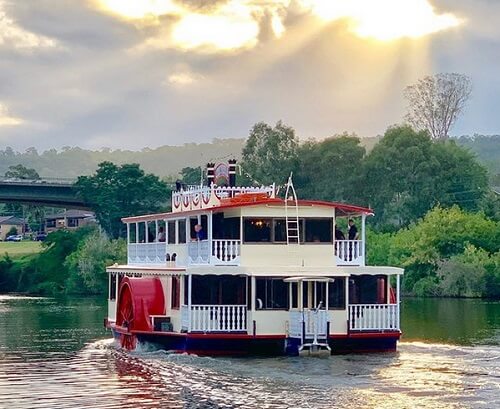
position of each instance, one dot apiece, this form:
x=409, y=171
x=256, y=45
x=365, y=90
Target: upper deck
x=246, y=226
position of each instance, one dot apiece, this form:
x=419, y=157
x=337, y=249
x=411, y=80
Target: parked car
x=16, y=237
x=40, y=236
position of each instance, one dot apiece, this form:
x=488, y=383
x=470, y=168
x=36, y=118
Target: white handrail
x=349, y=252
x=216, y=318
x=373, y=317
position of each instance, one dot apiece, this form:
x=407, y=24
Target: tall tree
x=330, y=169
x=435, y=102
x=119, y=191
x=406, y=174
x=270, y=153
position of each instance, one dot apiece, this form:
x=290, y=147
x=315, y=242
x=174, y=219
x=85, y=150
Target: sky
x=129, y=74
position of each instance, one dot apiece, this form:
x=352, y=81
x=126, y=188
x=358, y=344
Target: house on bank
x=7, y=223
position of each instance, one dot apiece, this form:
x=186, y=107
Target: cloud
x=13, y=35
x=6, y=119
x=183, y=77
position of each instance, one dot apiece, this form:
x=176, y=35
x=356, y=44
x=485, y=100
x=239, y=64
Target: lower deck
x=300, y=309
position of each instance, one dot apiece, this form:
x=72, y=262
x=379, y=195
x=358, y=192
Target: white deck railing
x=214, y=318
x=373, y=317
x=224, y=252
x=349, y=252
x=146, y=253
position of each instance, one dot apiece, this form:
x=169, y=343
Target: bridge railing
x=59, y=181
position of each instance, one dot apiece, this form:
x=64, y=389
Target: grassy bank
x=21, y=248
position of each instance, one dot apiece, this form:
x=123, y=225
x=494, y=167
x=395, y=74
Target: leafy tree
x=87, y=265
x=270, y=153
x=191, y=176
x=330, y=169
x=435, y=102
x=22, y=172
x=406, y=174
x=119, y=191
x=47, y=273
x=440, y=235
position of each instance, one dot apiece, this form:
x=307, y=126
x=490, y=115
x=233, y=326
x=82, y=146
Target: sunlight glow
x=6, y=119
x=228, y=29
x=385, y=20
x=236, y=24
x=137, y=9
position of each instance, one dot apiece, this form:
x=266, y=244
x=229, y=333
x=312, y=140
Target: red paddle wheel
x=138, y=299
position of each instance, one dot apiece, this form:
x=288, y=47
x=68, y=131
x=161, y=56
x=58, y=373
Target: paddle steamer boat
x=239, y=270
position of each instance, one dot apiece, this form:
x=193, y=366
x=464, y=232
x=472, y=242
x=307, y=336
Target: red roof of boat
x=345, y=209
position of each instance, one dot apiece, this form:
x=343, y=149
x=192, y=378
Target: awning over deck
x=274, y=271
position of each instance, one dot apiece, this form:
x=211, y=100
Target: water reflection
x=49, y=359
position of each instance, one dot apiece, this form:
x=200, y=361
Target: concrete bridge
x=41, y=192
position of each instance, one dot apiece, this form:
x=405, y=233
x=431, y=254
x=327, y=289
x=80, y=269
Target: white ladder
x=292, y=221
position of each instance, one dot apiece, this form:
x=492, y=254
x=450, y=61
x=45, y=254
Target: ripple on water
x=99, y=376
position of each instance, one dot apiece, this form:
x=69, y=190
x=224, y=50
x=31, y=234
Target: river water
x=55, y=354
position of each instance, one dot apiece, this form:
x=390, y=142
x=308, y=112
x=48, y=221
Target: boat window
x=151, y=228
x=225, y=228
x=171, y=232
x=175, y=295
x=336, y=294
x=271, y=294
x=132, y=238
x=142, y=232
x=112, y=287
x=182, y=230
x=318, y=230
x=363, y=289
x=161, y=232
x=280, y=230
x=257, y=230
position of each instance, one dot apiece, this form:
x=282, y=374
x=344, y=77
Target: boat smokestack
x=210, y=173
x=232, y=172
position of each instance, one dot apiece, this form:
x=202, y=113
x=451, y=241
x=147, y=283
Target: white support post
x=397, y=299
x=176, y=231
x=146, y=232
x=128, y=233
x=190, y=290
x=137, y=232
x=326, y=296
x=363, y=238
x=209, y=236
x=252, y=293
x=347, y=300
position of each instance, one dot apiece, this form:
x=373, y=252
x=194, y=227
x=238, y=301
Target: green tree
x=406, y=174
x=87, y=265
x=440, y=235
x=22, y=172
x=115, y=192
x=192, y=176
x=270, y=153
x=330, y=169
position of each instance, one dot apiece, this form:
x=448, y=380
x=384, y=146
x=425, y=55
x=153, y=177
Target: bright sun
x=235, y=24
x=385, y=20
